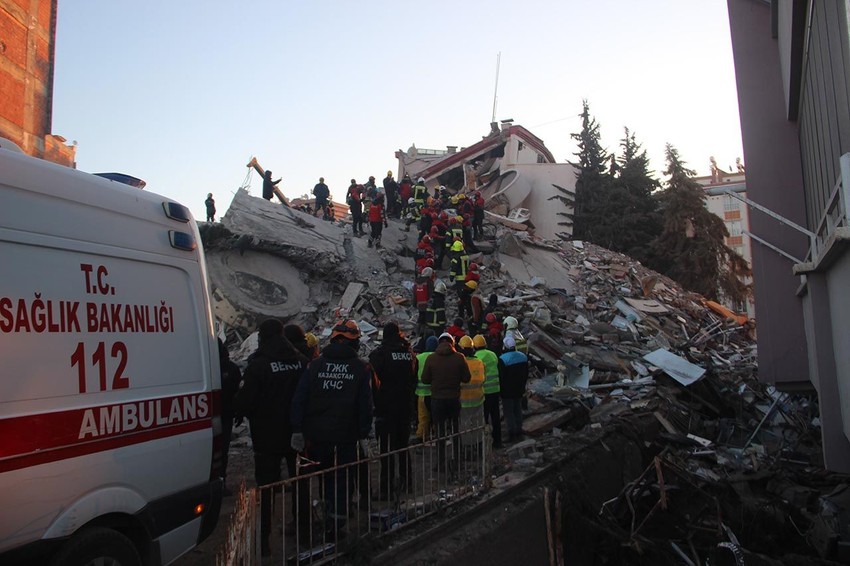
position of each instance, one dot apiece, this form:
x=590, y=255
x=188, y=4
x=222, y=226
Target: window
x=734, y=227
x=731, y=203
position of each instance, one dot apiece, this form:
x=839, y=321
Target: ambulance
x=110, y=428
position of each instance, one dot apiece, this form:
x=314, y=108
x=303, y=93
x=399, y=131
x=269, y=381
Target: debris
x=676, y=367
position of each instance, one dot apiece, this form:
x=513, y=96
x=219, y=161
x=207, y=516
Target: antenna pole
x=496, y=90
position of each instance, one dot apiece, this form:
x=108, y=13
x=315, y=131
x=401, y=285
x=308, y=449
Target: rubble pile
x=731, y=466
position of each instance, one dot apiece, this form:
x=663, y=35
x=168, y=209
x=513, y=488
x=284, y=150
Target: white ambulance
x=110, y=431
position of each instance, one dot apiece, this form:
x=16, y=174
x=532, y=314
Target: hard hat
x=442, y=187
x=465, y=342
x=457, y=246
x=427, y=272
x=472, y=285
x=452, y=220
x=453, y=200
x=426, y=239
x=346, y=328
x=420, y=180
x=440, y=287
x=510, y=322
x=389, y=173
x=479, y=341
x=434, y=231
x=490, y=317
x=461, y=196
x=444, y=215
x=411, y=200
x=473, y=266
x=459, y=218
x=311, y=339
x=446, y=336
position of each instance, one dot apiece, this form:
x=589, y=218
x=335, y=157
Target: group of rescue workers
x=306, y=405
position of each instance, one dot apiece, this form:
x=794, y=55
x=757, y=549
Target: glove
x=297, y=442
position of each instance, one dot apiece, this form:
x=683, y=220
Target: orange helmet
x=347, y=329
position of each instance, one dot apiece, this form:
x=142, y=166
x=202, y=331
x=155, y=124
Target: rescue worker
x=445, y=370
x=210, y=204
x=436, y=310
x=424, y=263
x=395, y=367
x=422, y=288
x=512, y=330
x=423, y=248
x=425, y=221
x=269, y=185
x=377, y=221
x=331, y=411
x=491, y=387
x=494, y=332
x=411, y=214
x=391, y=191
x=423, y=392
x=458, y=265
x=265, y=397
x=472, y=274
x=456, y=329
x=298, y=338
x=464, y=302
x=354, y=200
x=420, y=192
x=405, y=189
x=513, y=375
x=321, y=192
x=478, y=216
x=471, y=394
x=454, y=233
x=231, y=377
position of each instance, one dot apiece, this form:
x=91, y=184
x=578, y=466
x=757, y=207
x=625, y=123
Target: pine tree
x=638, y=221
x=592, y=179
x=691, y=248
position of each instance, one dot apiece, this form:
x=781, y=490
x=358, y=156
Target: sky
x=182, y=93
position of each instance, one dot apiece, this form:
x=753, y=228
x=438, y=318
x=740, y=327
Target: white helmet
x=427, y=272
x=442, y=187
x=411, y=200
x=440, y=287
x=510, y=323
x=420, y=180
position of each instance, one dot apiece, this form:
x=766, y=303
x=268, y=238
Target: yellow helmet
x=472, y=285
x=312, y=341
x=459, y=218
x=457, y=246
x=461, y=196
x=465, y=342
x=479, y=341
x=453, y=200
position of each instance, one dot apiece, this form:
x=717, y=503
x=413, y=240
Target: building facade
x=27, y=45
x=792, y=65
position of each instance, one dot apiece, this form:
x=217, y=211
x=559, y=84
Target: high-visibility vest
x=435, y=317
x=491, y=370
x=519, y=339
x=419, y=192
x=452, y=234
x=463, y=265
x=422, y=389
x=472, y=393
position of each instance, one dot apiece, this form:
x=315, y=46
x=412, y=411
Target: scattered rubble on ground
x=733, y=467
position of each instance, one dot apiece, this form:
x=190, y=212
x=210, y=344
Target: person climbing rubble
x=395, y=367
x=420, y=192
x=478, y=216
x=513, y=376
x=411, y=214
x=377, y=221
x=491, y=387
x=422, y=288
x=391, y=192
x=354, y=199
x=445, y=370
x=464, y=301
x=436, y=310
x=423, y=392
x=459, y=263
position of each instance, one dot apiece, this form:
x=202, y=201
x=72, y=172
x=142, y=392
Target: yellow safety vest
x=472, y=393
x=422, y=389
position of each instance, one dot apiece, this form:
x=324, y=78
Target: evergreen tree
x=592, y=179
x=691, y=248
x=638, y=221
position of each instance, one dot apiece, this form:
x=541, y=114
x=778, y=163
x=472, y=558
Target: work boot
x=378, y=243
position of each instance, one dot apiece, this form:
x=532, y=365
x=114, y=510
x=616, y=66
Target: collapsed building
x=650, y=439
x=515, y=172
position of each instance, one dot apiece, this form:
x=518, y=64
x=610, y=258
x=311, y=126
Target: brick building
x=27, y=44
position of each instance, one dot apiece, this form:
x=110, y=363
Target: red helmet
x=434, y=231
x=444, y=215
x=434, y=216
x=426, y=239
x=490, y=317
x=473, y=266
x=346, y=328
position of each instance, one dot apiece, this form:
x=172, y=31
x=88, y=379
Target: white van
x=109, y=375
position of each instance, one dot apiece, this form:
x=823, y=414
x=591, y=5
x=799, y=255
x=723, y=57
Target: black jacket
x=321, y=191
x=396, y=368
x=513, y=374
x=333, y=402
x=265, y=395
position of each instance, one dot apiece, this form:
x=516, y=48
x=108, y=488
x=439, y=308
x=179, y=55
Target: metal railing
x=337, y=501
